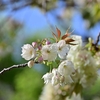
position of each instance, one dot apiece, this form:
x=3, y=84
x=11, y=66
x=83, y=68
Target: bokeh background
x=25, y=21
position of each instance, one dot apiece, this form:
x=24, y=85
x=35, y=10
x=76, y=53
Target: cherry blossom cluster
x=70, y=61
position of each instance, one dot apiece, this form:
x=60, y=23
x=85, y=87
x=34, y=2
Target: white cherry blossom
x=56, y=77
x=66, y=68
x=49, y=52
x=63, y=49
x=28, y=52
x=47, y=78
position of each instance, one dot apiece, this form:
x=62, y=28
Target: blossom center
x=31, y=52
x=48, y=51
x=60, y=48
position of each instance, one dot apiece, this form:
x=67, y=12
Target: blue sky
x=34, y=20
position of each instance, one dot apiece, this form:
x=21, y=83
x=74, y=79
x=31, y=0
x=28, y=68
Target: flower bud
x=39, y=47
x=48, y=42
x=30, y=63
x=40, y=59
x=34, y=44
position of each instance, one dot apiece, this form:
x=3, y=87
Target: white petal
x=63, y=49
x=66, y=68
x=47, y=78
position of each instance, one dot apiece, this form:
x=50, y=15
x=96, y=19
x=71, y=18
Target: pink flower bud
x=34, y=44
x=40, y=59
x=48, y=42
x=39, y=47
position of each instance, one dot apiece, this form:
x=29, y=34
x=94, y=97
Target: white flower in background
x=48, y=92
x=63, y=49
x=66, y=68
x=47, y=78
x=83, y=81
x=85, y=65
x=49, y=52
x=74, y=97
x=88, y=76
x=97, y=59
x=28, y=52
x=79, y=57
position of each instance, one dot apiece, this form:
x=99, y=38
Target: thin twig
x=97, y=40
x=14, y=66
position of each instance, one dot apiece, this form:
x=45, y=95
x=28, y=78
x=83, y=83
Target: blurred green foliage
x=92, y=92
x=92, y=14
x=28, y=85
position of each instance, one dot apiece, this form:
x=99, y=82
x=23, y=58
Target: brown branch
x=21, y=6
x=14, y=66
x=97, y=40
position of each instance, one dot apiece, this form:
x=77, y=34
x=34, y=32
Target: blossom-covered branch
x=71, y=63
x=11, y=67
